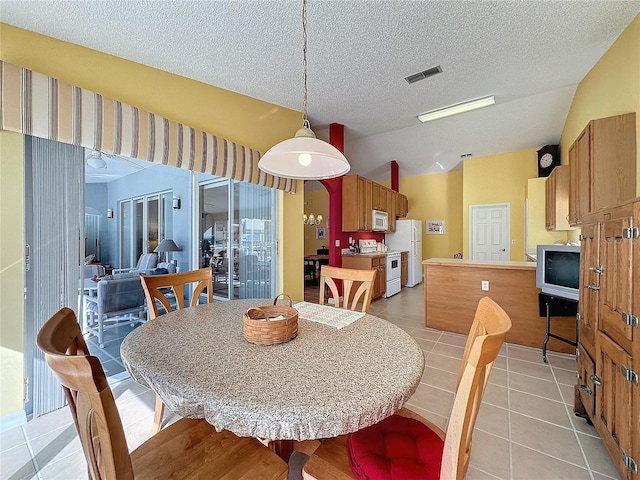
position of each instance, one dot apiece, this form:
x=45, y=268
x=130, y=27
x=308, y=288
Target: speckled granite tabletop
x=325, y=382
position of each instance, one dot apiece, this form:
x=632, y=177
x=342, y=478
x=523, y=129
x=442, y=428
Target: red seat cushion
x=397, y=448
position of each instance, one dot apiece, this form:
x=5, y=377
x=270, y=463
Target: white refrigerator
x=408, y=237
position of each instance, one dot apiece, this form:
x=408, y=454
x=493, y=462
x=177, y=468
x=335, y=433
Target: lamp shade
x=304, y=157
x=167, y=245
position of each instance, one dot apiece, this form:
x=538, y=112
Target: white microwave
x=379, y=221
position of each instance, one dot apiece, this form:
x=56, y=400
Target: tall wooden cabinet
x=356, y=204
x=370, y=262
x=608, y=388
x=602, y=163
x=557, y=199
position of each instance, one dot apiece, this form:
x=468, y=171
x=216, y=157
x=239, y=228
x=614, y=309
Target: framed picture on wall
x=321, y=233
x=435, y=227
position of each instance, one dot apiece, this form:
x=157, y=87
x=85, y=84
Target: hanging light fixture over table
x=304, y=156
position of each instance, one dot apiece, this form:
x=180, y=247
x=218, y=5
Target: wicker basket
x=258, y=329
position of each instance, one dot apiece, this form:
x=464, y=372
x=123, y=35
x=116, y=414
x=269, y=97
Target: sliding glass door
x=144, y=223
x=237, y=238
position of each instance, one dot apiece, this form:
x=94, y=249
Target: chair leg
x=157, y=417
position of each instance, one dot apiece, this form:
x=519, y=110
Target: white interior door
x=489, y=232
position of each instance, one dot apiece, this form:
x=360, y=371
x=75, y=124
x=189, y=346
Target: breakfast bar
x=453, y=287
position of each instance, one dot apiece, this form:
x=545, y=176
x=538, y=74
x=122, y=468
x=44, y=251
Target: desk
x=324, y=383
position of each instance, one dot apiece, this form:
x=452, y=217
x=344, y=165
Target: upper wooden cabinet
x=602, y=163
x=380, y=201
x=356, y=203
x=402, y=206
x=557, y=195
x=360, y=196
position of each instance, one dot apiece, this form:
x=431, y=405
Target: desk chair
x=190, y=448
x=427, y=452
x=158, y=289
x=363, y=279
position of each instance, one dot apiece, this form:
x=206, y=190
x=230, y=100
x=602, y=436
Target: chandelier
x=311, y=219
x=304, y=156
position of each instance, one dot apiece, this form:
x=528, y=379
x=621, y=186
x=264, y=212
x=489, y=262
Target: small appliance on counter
x=368, y=245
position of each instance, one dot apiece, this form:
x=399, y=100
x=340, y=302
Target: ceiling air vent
x=430, y=72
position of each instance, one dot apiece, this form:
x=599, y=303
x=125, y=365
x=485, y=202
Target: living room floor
x=525, y=430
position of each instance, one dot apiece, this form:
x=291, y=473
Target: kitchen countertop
x=454, y=262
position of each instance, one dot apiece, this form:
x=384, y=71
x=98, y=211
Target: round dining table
x=323, y=383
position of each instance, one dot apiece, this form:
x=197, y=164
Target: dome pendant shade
x=304, y=157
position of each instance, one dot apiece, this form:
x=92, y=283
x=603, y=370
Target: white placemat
x=334, y=317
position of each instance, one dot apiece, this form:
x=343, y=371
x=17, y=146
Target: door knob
x=503, y=249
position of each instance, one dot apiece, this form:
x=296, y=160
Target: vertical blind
x=35, y=104
x=57, y=199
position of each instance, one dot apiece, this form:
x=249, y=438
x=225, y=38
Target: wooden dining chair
x=416, y=448
x=362, y=279
x=190, y=448
x=158, y=289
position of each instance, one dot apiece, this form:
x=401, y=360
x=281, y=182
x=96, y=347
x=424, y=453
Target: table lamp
x=167, y=245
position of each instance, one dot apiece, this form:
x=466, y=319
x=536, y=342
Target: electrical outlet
x=485, y=285
x=337, y=242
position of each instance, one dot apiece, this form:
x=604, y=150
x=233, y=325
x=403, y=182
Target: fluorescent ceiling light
x=457, y=108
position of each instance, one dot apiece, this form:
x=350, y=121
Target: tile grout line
x=575, y=434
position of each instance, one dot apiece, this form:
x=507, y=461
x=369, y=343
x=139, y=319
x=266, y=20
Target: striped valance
x=35, y=104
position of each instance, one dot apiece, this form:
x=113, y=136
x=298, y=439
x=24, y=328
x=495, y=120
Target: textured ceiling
x=529, y=54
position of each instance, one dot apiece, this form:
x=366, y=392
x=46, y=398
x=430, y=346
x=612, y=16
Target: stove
x=393, y=262
x=393, y=274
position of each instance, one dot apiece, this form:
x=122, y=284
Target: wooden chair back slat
x=362, y=279
x=486, y=336
x=153, y=286
x=90, y=399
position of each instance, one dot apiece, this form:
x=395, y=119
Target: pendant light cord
x=305, y=119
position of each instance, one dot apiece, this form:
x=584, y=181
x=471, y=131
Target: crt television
x=558, y=270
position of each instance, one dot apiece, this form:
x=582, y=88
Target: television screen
x=562, y=269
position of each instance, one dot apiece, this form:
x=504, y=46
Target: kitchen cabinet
x=356, y=203
x=370, y=262
x=402, y=206
x=404, y=268
x=379, y=197
x=602, y=164
x=609, y=346
x=557, y=199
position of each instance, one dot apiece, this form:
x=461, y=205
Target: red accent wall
x=334, y=187
x=394, y=175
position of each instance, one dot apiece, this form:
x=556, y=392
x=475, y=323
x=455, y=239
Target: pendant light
x=304, y=157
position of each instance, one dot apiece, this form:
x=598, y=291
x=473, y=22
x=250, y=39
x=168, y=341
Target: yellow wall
x=499, y=179
x=230, y=115
x=239, y=118
x=612, y=87
x=316, y=202
x=11, y=272
x=436, y=197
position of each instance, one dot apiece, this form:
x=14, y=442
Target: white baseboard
x=13, y=420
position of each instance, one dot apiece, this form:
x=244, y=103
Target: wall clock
x=548, y=159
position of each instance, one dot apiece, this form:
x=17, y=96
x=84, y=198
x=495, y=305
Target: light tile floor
x=525, y=430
